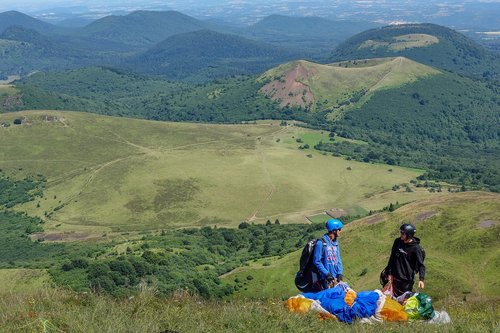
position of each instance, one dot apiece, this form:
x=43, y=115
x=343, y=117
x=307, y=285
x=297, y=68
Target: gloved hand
x=329, y=278
x=339, y=277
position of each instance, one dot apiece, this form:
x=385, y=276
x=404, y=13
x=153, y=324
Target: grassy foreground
x=53, y=310
x=459, y=233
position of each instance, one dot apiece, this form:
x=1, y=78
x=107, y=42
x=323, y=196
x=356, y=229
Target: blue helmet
x=333, y=225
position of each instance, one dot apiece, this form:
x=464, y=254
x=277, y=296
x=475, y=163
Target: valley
x=113, y=174
x=161, y=172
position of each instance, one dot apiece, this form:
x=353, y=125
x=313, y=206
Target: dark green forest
x=205, y=55
x=190, y=259
x=447, y=125
x=111, y=92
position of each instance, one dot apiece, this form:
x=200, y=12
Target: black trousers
x=399, y=287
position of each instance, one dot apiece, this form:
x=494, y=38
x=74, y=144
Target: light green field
x=23, y=280
x=402, y=42
x=113, y=174
x=459, y=233
x=6, y=89
x=339, y=86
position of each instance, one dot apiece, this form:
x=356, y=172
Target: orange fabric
x=298, y=304
x=393, y=311
x=326, y=316
x=350, y=297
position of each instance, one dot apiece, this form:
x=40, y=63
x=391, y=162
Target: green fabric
x=425, y=308
x=411, y=308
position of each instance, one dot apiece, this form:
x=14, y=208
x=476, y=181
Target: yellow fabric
x=393, y=311
x=350, y=297
x=411, y=308
x=298, y=304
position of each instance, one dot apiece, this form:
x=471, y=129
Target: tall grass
x=53, y=310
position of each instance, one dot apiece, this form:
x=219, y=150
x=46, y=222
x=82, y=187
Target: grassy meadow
x=403, y=42
x=109, y=174
x=459, y=233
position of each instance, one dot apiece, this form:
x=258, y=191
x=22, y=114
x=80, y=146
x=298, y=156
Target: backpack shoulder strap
x=323, y=242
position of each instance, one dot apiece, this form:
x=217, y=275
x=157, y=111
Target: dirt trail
x=399, y=62
x=145, y=151
x=267, y=174
x=89, y=180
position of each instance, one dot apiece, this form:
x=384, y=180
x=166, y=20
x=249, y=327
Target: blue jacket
x=331, y=261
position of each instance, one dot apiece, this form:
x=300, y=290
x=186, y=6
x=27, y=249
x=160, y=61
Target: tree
x=267, y=249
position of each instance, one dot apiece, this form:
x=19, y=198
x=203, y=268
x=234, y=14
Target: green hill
x=99, y=175
x=404, y=109
x=458, y=232
x=142, y=28
x=429, y=44
x=14, y=18
x=451, y=120
x=24, y=50
x=204, y=55
x=340, y=86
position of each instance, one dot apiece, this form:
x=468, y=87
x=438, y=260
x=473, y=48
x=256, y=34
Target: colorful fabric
x=298, y=304
x=365, y=304
x=411, y=308
x=425, y=308
x=344, y=304
x=393, y=311
x=334, y=301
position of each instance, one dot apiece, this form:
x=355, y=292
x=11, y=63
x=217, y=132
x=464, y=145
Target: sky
x=34, y=5
x=250, y=11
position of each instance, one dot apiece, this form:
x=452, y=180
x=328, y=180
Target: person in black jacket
x=407, y=258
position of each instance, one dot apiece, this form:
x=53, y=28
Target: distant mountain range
x=130, y=39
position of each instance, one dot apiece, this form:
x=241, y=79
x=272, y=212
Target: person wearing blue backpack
x=326, y=256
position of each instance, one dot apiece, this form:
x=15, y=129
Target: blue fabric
x=332, y=300
x=331, y=262
x=365, y=304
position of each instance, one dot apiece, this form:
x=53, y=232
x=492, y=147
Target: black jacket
x=406, y=260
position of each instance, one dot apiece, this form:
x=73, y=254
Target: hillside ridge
x=303, y=83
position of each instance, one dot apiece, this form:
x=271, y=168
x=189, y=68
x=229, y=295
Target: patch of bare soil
x=49, y=118
x=336, y=212
x=426, y=215
x=289, y=90
x=374, y=219
x=487, y=224
x=62, y=236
